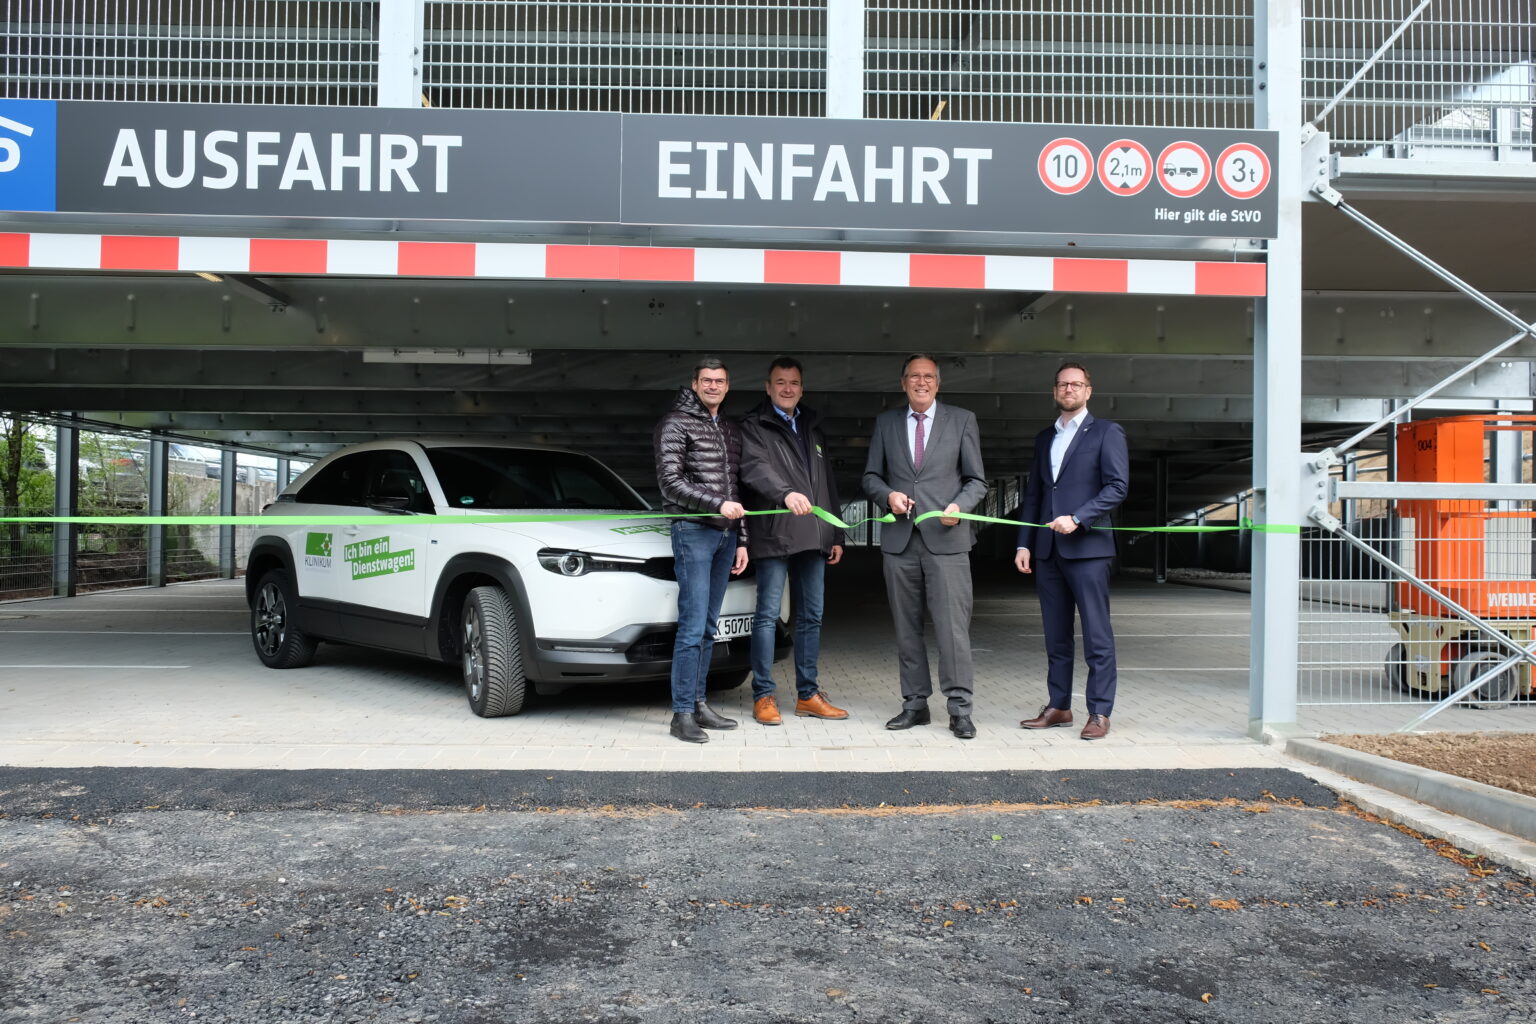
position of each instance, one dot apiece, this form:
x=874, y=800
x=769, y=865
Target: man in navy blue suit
x=1080, y=474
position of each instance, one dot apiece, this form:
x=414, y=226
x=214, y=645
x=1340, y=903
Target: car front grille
x=654, y=646
x=659, y=568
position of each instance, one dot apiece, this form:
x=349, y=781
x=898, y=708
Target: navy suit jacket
x=1095, y=476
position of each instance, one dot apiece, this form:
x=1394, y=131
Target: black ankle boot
x=709, y=720
x=686, y=729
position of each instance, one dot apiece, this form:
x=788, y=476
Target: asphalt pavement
x=1243, y=895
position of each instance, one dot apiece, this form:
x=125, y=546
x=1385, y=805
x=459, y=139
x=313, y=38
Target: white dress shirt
x=1065, y=432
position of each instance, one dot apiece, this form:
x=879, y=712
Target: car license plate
x=730, y=627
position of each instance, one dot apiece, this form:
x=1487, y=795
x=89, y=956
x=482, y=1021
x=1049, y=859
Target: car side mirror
x=390, y=503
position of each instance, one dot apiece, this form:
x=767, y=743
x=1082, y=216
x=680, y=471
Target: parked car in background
x=541, y=605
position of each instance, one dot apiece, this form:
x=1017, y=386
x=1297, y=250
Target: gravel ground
x=1503, y=759
x=1212, y=909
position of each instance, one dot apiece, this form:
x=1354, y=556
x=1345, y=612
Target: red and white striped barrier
x=512, y=260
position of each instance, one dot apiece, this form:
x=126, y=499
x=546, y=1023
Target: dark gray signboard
x=543, y=167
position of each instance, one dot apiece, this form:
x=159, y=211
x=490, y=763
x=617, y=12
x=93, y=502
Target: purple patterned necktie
x=917, y=441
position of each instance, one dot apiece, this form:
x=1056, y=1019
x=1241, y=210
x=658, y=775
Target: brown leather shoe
x=1048, y=717
x=766, y=710
x=1097, y=727
x=818, y=707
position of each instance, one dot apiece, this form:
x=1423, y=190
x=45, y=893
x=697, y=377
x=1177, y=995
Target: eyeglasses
x=712, y=382
x=1072, y=385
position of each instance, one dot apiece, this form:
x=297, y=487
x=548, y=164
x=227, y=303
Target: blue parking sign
x=29, y=154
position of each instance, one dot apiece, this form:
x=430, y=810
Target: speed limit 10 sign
x=1066, y=166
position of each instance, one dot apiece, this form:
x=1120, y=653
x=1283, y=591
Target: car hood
x=640, y=538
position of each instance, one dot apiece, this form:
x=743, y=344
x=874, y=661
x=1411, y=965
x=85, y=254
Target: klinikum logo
x=317, y=550
x=10, y=149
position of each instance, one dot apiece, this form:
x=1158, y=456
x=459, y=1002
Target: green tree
x=26, y=485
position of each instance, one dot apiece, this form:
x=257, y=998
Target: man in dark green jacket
x=784, y=465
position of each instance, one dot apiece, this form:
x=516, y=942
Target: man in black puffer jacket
x=784, y=465
x=698, y=456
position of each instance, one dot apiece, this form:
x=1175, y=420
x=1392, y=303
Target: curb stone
x=1508, y=820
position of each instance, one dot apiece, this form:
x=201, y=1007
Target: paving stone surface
x=167, y=678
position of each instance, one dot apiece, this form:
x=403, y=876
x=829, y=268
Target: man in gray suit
x=926, y=457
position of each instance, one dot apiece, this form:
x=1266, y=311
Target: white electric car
x=542, y=604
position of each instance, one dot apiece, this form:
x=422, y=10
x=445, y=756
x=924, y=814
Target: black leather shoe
x=686, y=729
x=708, y=719
x=908, y=718
x=961, y=726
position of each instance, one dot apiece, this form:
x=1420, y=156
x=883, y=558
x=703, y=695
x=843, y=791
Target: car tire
x=492, y=658
x=727, y=680
x=275, y=632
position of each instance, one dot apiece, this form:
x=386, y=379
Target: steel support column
x=227, y=470
x=845, y=59
x=158, y=484
x=400, y=52
x=66, y=502
x=1160, y=540
x=1277, y=333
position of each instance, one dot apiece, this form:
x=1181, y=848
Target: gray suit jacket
x=951, y=473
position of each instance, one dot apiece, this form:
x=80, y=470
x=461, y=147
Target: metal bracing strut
x=1331, y=196
x=1321, y=463
x=1365, y=68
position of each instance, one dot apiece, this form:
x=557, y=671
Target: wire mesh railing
x=1367, y=636
x=1451, y=79
x=1184, y=63
x=311, y=52
x=744, y=57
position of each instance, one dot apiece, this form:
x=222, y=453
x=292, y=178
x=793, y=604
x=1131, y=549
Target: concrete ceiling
x=223, y=362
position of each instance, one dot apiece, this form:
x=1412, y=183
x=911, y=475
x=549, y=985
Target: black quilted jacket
x=698, y=461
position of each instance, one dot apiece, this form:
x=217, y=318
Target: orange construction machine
x=1472, y=551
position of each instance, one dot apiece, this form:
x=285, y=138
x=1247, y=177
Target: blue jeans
x=806, y=571
x=702, y=557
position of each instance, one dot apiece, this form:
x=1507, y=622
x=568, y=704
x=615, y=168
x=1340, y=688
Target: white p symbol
x=10, y=150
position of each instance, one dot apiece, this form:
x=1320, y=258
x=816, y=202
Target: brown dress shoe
x=1048, y=717
x=766, y=710
x=1097, y=727
x=818, y=707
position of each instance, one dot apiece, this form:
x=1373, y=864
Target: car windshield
x=480, y=477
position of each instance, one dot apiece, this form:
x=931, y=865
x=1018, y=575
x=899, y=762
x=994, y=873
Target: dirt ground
x=1503, y=759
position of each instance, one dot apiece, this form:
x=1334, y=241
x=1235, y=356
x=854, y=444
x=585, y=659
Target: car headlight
x=579, y=563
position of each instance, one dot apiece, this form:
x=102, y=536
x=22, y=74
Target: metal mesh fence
x=320, y=52
x=744, y=57
x=1458, y=82
x=1185, y=63
x=1370, y=637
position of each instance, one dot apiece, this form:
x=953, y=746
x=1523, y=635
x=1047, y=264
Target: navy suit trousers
x=1080, y=585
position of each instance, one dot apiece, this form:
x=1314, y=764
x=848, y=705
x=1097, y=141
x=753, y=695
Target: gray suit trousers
x=917, y=577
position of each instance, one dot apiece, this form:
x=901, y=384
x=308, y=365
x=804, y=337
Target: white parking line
x=95, y=666
x=125, y=632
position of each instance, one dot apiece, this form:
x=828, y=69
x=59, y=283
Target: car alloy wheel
x=271, y=619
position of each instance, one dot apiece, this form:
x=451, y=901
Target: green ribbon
x=556, y=517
